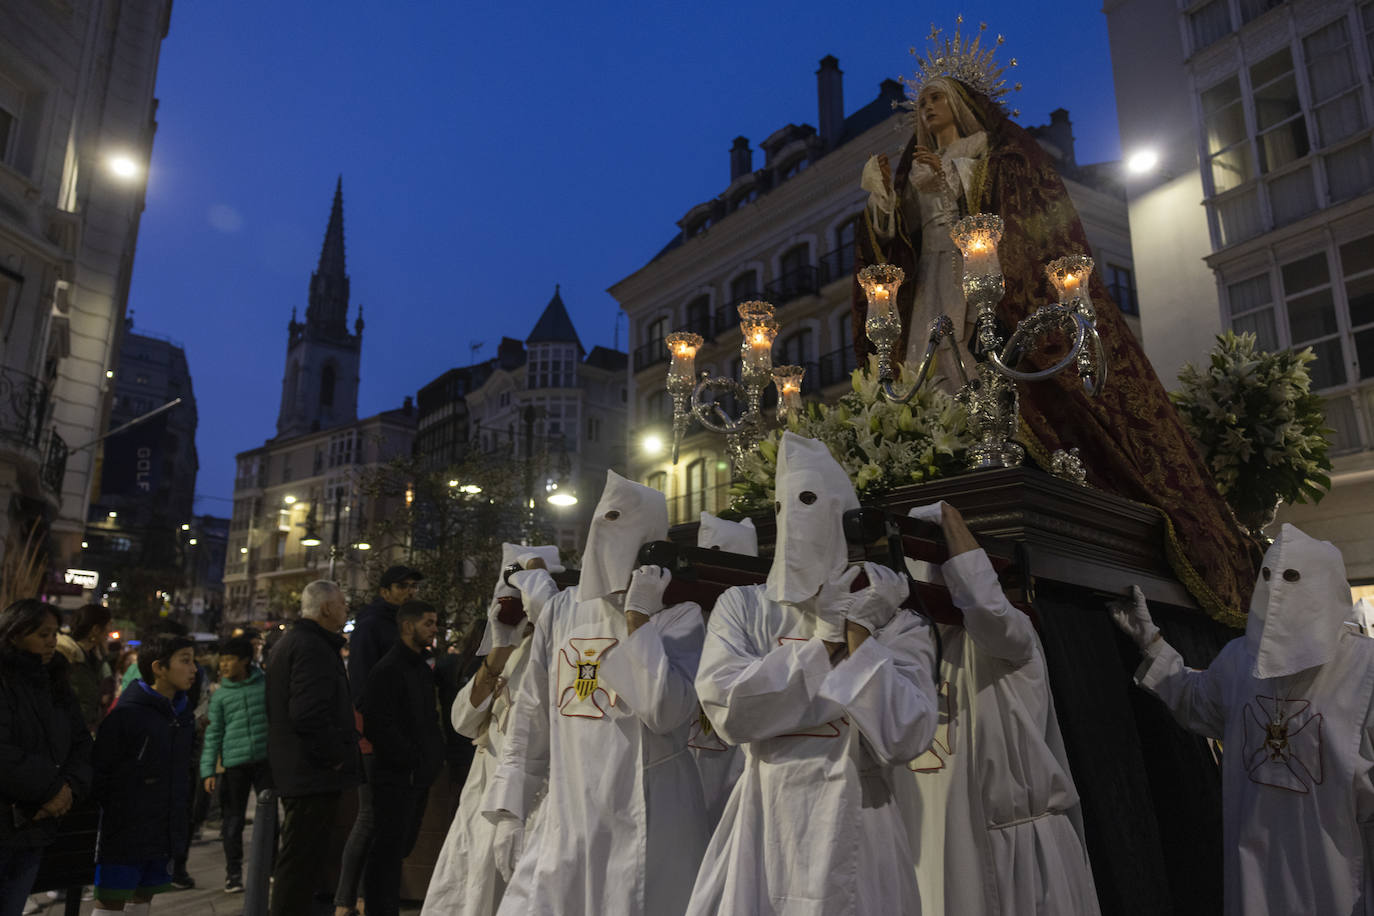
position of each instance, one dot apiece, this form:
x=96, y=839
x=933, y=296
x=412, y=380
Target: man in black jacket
x=373, y=635
x=312, y=744
x=401, y=719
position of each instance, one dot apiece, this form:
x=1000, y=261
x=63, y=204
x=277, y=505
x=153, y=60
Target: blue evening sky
x=488, y=151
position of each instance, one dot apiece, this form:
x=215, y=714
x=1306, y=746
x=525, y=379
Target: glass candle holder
x=758, y=329
x=1069, y=276
x=682, y=347
x=880, y=283
x=788, y=380
x=977, y=237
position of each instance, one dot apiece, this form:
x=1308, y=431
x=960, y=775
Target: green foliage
x=881, y=445
x=1258, y=425
x=452, y=536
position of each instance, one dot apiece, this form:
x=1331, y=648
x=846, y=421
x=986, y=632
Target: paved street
x=208, y=898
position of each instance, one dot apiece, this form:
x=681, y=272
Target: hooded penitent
x=512, y=553
x=813, y=492
x=735, y=537
x=628, y=516
x=1300, y=603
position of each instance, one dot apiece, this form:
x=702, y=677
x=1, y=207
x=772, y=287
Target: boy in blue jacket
x=142, y=764
x=237, y=738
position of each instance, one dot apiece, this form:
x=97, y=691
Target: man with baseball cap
x=373, y=635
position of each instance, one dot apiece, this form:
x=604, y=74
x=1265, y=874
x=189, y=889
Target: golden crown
x=968, y=61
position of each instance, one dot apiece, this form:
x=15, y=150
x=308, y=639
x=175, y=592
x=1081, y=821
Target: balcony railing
x=23, y=402
x=701, y=325
x=798, y=282
x=727, y=316
x=54, y=462
x=651, y=354
x=835, y=366
x=836, y=264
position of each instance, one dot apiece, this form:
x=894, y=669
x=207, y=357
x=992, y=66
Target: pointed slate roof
x=555, y=325
x=326, y=314
x=332, y=251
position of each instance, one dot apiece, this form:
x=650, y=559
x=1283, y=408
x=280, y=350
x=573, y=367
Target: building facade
x=76, y=130
x=299, y=506
x=139, y=522
x=1259, y=216
x=785, y=233
x=443, y=428
x=562, y=409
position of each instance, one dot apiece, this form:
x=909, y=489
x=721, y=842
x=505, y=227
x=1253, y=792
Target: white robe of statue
x=465, y=881
x=1291, y=703
x=931, y=204
x=991, y=808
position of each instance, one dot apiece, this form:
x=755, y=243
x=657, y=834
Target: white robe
x=718, y=764
x=811, y=828
x=1297, y=809
x=940, y=270
x=991, y=808
x=603, y=716
x=465, y=881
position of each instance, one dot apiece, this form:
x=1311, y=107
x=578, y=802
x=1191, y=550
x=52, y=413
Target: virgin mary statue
x=967, y=156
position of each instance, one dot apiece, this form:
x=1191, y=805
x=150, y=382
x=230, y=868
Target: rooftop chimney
x=830, y=95
x=741, y=158
x=892, y=91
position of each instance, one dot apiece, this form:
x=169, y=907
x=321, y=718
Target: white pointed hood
x=1362, y=615
x=1299, y=607
x=511, y=553
x=736, y=537
x=640, y=515
x=813, y=492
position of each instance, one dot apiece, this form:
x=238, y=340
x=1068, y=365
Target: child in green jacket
x=237, y=738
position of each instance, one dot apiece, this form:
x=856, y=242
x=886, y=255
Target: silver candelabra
x=990, y=395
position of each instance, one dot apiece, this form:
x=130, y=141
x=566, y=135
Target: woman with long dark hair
x=45, y=749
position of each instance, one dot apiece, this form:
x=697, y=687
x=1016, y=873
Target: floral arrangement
x=1258, y=425
x=881, y=445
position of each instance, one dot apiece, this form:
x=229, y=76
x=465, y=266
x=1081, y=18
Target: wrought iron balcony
x=23, y=402
x=651, y=354
x=54, y=462
x=836, y=366
x=836, y=264
x=798, y=282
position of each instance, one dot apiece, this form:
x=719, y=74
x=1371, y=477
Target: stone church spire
x=327, y=311
x=320, y=385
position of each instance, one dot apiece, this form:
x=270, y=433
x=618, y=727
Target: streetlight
x=652, y=444
x=124, y=166
x=1142, y=161
x=185, y=527
x=289, y=500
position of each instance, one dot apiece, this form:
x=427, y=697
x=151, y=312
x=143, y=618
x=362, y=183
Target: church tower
x=320, y=387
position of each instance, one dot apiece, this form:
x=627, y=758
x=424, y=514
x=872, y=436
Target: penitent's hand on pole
x=875, y=604
x=1133, y=617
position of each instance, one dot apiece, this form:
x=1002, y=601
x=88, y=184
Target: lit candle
x=1069, y=276
x=880, y=283
x=757, y=329
x=682, y=345
x=788, y=380
x=977, y=237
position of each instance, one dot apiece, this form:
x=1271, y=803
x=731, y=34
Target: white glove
x=1133, y=617
x=875, y=604
x=507, y=842
x=645, y=594
x=503, y=634
x=933, y=513
x=833, y=604
x=536, y=588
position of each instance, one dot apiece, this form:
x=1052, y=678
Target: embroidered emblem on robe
x=1283, y=744
x=703, y=735
x=580, y=693
x=942, y=747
